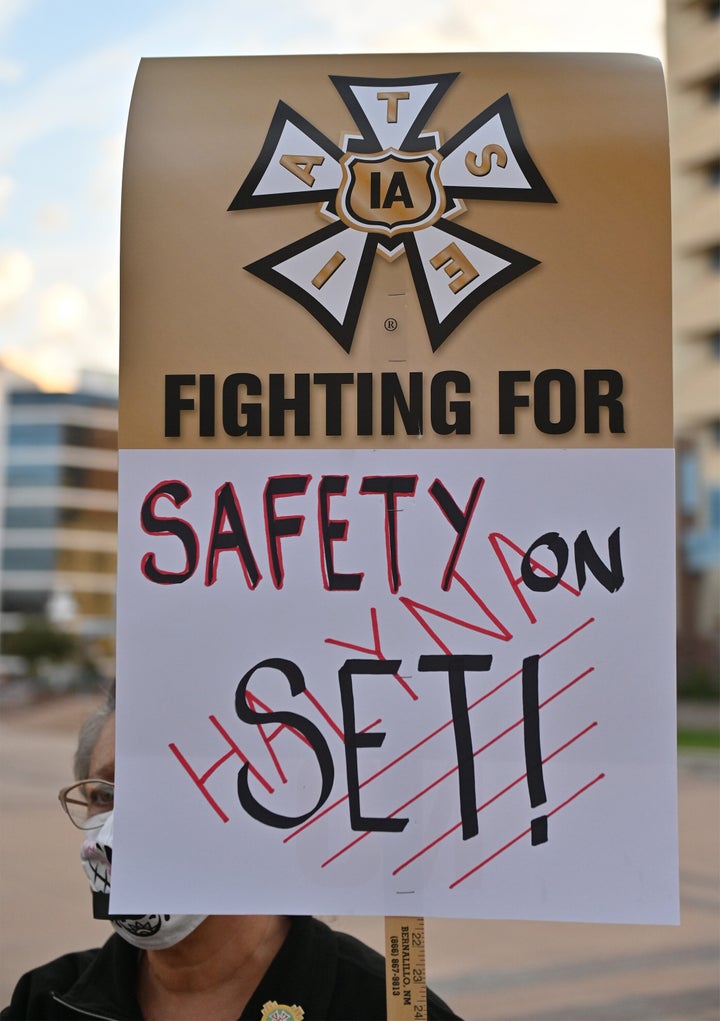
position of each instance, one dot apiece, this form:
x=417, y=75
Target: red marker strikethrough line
x=376, y=651
x=454, y=769
x=524, y=833
x=491, y=801
x=434, y=733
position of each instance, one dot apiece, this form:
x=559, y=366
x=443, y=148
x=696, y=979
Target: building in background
x=58, y=514
x=693, y=73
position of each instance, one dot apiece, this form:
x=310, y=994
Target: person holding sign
x=187, y=967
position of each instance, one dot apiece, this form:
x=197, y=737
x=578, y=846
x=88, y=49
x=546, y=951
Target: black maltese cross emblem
x=392, y=189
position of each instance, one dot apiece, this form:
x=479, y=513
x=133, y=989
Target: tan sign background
x=595, y=126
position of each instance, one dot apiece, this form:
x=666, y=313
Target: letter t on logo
x=392, y=99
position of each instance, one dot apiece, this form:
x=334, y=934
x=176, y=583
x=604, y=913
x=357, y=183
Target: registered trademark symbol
x=391, y=325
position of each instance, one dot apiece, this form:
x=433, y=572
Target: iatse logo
x=392, y=189
x=392, y=192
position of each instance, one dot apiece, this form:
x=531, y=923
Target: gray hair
x=89, y=733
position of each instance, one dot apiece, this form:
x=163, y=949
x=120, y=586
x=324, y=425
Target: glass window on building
x=95, y=604
x=26, y=603
x=32, y=475
x=31, y=517
x=84, y=560
x=40, y=398
x=688, y=481
x=88, y=436
x=81, y=518
x=88, y=478
x=714, y=509
x=34, y=434
x=87, y=520
x=87, y=561
x=99, y=439
x=73, y=476
x=15, y=559
x=53, y=434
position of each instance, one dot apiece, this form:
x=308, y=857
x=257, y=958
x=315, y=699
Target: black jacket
x=332, y=976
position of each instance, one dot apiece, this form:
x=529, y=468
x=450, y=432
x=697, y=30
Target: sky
x=66, y=74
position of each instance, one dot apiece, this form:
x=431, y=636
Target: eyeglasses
x=84, y=800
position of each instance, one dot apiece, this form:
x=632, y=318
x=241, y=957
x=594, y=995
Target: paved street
x=494, y=971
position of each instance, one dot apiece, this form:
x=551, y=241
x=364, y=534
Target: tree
x=38, y=640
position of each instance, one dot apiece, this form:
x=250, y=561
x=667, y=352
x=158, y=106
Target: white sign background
x=605, y=679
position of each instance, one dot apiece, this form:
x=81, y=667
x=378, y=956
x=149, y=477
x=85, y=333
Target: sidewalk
x=698, y=715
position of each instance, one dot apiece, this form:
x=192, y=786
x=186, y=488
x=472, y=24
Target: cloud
x=94, y=91
x=62, y=311
x=10, y=71
x=16, y=278
x=52, y=219
x=10, y=12
x=47, y=365
x=7, y=186
x=86, y=94
x=103, y=333
x=106, y=178
x=106, y=295
x=79, y=108
x=425, y=25
x=73, y=329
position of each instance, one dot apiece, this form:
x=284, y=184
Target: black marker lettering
x=456, y=667
x=355, y=740
x=304, y=727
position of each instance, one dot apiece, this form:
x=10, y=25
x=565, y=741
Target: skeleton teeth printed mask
x=149, y=932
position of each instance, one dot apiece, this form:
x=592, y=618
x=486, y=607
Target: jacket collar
x=106, y=988
x=302, y=974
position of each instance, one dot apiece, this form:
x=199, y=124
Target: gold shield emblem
x=390, y=192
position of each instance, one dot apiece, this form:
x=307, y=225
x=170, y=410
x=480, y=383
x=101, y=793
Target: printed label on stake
x=405, y=977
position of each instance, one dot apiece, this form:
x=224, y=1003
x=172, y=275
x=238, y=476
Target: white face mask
x=149, y=932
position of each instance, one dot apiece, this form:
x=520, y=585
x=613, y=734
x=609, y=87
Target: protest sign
x=395, y=604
